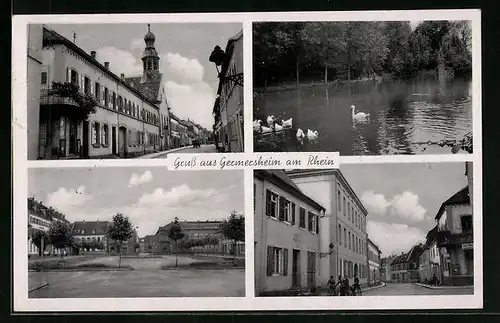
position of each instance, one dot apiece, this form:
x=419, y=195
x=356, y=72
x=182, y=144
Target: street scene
x=135, y=232
x=129, y=90
x=363, y=87
x=383, y=229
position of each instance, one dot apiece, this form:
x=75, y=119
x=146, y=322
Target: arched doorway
x=355, y=270
x=122, y=141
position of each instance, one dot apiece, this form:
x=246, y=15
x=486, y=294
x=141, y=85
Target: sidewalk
x=323, y=291
x=444, y=286
x=163, y=152
x=37, y=281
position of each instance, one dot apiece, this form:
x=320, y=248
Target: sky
x=150, y=197
x=403, y=199
x=190, y=80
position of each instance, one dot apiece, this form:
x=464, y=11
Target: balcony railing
x=445, y=238
x=53, y=99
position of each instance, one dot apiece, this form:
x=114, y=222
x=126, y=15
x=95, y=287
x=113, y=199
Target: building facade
x=430, y=262
x=455, y=239
x=131, y=115
x=228, y=106
x=287, y=234
x=405, y=268
x=385, y=268
x=373, y=263
x=41, y=218
x=344, y=224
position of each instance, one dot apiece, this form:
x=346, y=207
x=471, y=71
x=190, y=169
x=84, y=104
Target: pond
x=406, y=117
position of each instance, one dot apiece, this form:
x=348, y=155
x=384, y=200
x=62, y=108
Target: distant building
x=430, y=262
x=228, y=106
x=344, y=224
x=373, y=263
x=41, y=218
x=405, y=267
x=385, y=269
x=455, y=239
x=287, y=234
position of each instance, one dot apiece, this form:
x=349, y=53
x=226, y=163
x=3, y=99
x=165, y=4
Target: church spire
x=150, y=58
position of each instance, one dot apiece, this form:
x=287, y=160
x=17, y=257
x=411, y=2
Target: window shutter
x=270, y=261
x=281, y=209
x=317, y=224
x=285, y=262
x=293, y=213
x=68, y=75
x=268, y=202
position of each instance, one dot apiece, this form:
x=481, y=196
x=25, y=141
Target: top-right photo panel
x=363, y=87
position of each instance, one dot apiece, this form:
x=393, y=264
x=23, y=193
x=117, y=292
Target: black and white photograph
x=365, y=230
x=135, y=232
x=134, y=90
x=363, y=87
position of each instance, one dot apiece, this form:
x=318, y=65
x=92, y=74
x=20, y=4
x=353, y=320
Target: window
x=302, y=217
x=277, y=261
x=97, y=91
x=95, y=133
x=271, y=204
x=74, y=77
x=339, y=234
x=284, y=212
x=310, y=221
x=345, y=238
x=350, y=240
x=44, y=78
x=356, y=216
x=349, y=211
x=120, y=103
x=466, y=221
x=293, y=213
x=86, y=85
x=338, y=200
x=106, y=97
x=105, y=135
x=344, y=208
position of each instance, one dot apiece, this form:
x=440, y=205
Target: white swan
x=359, y=115
x=270, y=120
x=287, y=123
x=277, y=127
x=265, y=129
x=300, y=134
x=312, y=135
x=257, y=125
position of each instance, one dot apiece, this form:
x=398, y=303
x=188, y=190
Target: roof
x=45, y=212
x=399, y=259
x=461, y=197
x=280, y=178
x=51, y=37
x=148, y=89
x=431, y=236
x=373, y=244
x=88, y=227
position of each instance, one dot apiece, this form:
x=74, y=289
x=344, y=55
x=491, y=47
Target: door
x=122, y=136
x=85, y=140
x=113, y=140
x=311, y=269
x=296, y=268
x=73, y=148
x=469, y=262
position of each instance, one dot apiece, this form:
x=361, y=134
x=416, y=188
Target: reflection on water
x=404, y=116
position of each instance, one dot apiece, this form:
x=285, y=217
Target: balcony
x=446, y=238
x=46, y=99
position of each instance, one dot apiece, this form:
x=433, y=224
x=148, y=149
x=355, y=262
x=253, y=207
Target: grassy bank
x=63, y=264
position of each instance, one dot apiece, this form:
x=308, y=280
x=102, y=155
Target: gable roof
x=148, y=89
x=460, y=197
x=88, y=227
x=280, y=178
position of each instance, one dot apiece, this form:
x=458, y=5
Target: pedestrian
x=344, y=287
x=356, y=289
x=331, y=287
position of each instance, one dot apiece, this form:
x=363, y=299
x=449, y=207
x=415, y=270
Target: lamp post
x=330, y=251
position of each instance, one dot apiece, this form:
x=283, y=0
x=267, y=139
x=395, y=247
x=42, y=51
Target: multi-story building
x=343, y=226
x=373, y=263
x=430, y=262
x=455, y=239
x=385, y=269
x=35, y=36
x=228, y=106
x=405, y=267
x=131, y=114
x=41, y=218
x=287, y=225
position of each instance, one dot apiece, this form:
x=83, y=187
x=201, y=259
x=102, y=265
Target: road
x=189, y=150
x=412, y=289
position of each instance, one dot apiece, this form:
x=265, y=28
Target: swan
x=300, y=134
x=270, y=120
x=265, y=129
x=277, y=127
x=257, y=125
x=287, y=123
x=359, y=115
x=312, y=135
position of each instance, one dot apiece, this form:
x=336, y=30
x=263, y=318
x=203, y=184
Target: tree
x=120, y=231
x=234, y=229
x=37, y=237
x=60, y=235
x=175, y=233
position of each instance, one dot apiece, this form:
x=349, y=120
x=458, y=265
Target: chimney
x=122, y=76
x=93, y=53
x=106, y=64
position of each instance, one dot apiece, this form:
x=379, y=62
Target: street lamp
x=324, y=254
x=218, y=57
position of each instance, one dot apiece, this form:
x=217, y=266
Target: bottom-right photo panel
x=365, y=230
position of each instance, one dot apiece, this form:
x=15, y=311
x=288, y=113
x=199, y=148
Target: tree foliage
x=356, y=49
x=86, y=103
x=37, y=237
x=175, y=233
x=191, y=243
x=120, y=231
x=60, y=235
x=233, y=228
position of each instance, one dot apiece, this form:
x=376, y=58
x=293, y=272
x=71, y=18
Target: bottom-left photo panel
x=135, y=232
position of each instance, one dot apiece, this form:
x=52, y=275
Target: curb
x=39, y=287
x=81, y=269
x=160, y=153
x=442, y=287
x=203, y=268
x=373, y=287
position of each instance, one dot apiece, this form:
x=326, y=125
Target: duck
x=312, y=135
x=287, y=123
x=265, y=129
x=300, y=134
x=359, y=115
x=270, y=120
x=277, y=127
x=257, y=124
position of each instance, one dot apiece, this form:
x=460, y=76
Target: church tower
x=150, y=59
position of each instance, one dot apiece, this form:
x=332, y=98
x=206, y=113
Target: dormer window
x=83, y=231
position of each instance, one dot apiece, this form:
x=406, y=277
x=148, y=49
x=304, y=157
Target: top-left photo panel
x=129, y=90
